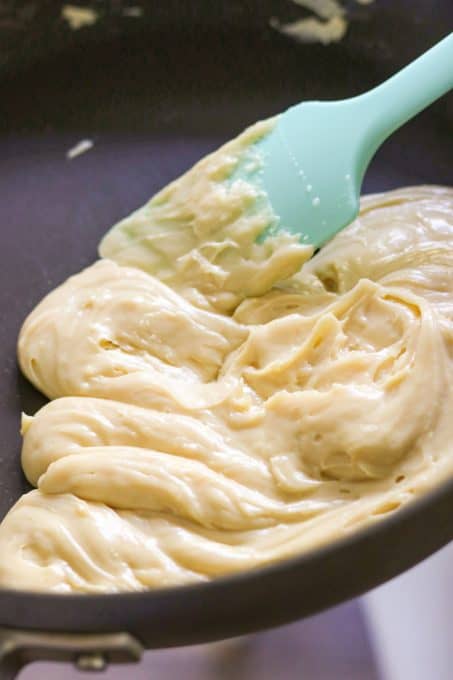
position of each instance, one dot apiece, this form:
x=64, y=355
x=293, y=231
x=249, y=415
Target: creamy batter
x=220, y=403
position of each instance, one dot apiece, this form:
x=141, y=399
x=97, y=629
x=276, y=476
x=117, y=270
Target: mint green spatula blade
x=316, y=156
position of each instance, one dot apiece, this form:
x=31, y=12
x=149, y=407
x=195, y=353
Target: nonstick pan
x=155, y=93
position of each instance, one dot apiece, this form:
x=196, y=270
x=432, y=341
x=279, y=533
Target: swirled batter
x=220, y=403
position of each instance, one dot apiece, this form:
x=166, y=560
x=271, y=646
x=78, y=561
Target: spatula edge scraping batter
x=315, y=157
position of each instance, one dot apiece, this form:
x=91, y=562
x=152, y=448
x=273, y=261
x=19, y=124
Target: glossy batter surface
x=219, y=404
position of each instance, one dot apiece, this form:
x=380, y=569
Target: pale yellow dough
x=219, y=404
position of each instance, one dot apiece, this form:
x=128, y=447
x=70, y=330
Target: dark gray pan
x=155, y=94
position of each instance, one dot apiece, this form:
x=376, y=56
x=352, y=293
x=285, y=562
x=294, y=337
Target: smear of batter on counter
x=79, y=17
x=221, y=403
x=328, y=24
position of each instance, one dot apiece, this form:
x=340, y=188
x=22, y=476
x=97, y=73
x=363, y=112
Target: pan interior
x=152, y=109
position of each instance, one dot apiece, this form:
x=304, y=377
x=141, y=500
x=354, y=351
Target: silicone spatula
x=316, y=156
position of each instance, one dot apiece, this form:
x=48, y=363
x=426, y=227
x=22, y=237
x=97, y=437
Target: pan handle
x=90, y=652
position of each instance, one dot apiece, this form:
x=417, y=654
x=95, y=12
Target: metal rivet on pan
x=91, y=662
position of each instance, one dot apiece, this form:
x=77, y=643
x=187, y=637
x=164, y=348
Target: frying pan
x=155, y=93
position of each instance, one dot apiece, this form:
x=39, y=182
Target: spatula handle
x=401, y=97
